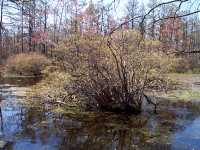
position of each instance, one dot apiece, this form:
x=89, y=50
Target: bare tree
x=132, y=9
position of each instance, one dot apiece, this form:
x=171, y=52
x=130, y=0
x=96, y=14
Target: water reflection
x=188, y=138
x=19, y=82
x=174, y=127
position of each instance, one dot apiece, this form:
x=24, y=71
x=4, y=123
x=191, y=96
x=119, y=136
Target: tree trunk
x=22, y=27
x=1, y=27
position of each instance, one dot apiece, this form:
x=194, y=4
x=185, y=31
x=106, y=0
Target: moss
x=59, y=110
x=186, y=74
x=187, y=87
x=67, y=110
x=184, y=95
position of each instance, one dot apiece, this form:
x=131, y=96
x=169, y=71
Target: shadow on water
x=20, y=82
x=176, y=127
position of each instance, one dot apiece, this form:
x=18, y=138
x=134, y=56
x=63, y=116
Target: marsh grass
x=185, y=95
x=26, y=64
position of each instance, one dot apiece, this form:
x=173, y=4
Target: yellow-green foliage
x=183, y=95
x=101, y=71
x=145, y=62
x=26, y=64
x=100, y=65
x=52, y=89
x=188, y=64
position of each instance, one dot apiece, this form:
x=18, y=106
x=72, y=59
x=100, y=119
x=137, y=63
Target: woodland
x=99, y=55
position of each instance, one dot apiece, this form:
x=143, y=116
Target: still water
x=175, y=127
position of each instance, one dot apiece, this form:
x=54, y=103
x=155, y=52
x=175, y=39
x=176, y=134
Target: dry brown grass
x=26, y=64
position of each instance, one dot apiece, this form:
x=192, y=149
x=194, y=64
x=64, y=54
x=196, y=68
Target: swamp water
x=175, y=127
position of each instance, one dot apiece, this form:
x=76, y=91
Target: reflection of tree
x=31, y=122
x=99, y=133
x=21, y=82
x=1, y=117
x=96, y=131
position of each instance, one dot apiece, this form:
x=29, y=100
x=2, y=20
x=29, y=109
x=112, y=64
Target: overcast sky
x=121, y=7
x=190, y=5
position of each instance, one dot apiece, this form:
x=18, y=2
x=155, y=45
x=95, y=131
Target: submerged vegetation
x=104, y=130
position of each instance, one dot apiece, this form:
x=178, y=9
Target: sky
x=120, y=11
x=121, y=7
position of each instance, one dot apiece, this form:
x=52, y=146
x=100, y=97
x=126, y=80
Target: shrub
x=188, y=64
x=26, y=64
x=114, y=74
x=184, y=65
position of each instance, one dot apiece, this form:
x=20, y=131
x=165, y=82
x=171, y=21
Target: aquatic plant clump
x=26, y=64
x=114, y=73
x=52, y=90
